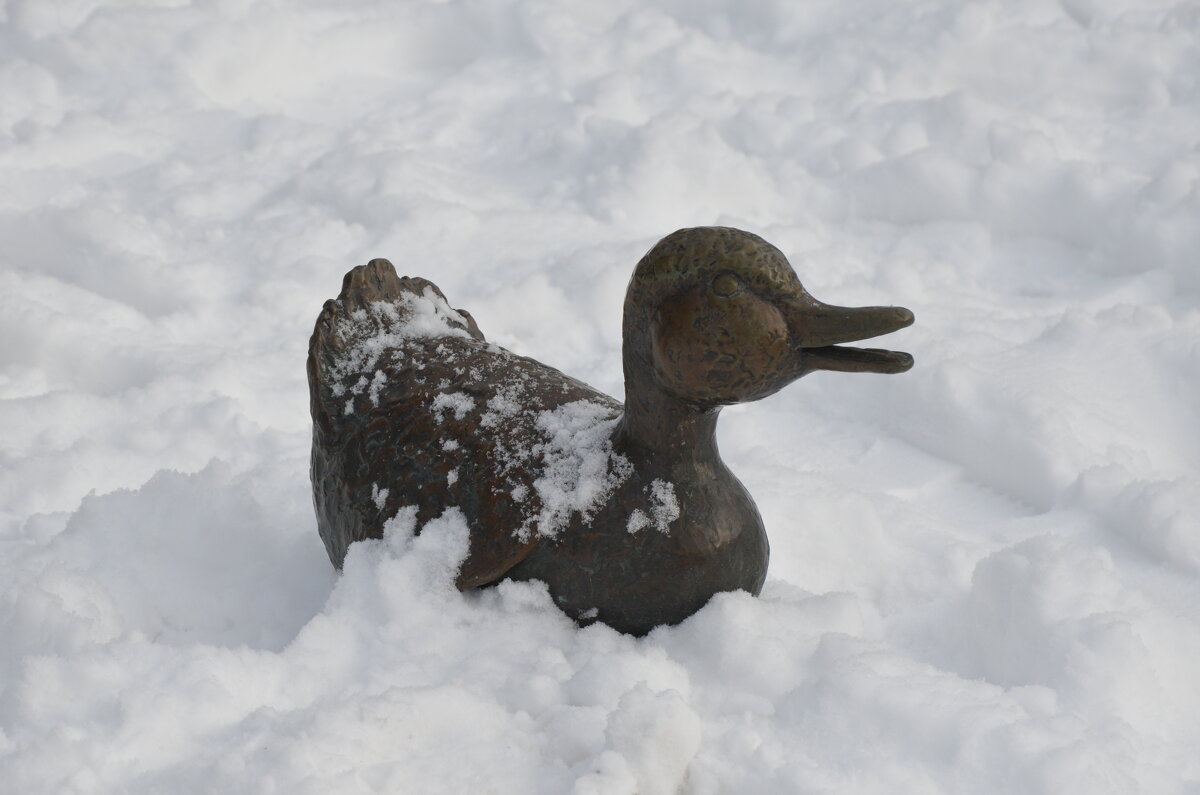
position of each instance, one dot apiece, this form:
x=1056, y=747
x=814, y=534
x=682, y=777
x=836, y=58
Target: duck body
x=711, y=539
x=627, y=513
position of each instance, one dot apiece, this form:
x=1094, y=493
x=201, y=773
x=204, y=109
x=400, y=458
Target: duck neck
x=670, y=429
x=662, y=427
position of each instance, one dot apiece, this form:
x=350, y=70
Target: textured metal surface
x=713, y=316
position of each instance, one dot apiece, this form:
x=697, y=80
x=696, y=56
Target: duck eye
x=726, y=284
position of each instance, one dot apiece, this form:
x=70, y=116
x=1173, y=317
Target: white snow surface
x=984, y=573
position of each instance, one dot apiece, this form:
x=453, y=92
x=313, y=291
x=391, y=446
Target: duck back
x=413, y=408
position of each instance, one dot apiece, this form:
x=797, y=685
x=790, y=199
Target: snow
x=375, y=333
x=459, y=404
x=984, y=571
x=577, y=467
x=664, y=509
x=379, y=496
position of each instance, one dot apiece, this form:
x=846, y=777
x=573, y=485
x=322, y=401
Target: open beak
x=818, y=329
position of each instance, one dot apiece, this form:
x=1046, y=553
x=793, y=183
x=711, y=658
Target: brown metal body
x=713, y=317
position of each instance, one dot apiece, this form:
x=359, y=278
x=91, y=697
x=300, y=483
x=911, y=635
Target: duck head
x=716, y=316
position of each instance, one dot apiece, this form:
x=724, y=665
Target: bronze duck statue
x=626, y=513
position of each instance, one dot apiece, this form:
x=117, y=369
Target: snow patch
x=378, y=496
x=377, y=383
x=376, y=332
x=579, y=469
x=664, y=509
x=460, y=404
x=505, y=404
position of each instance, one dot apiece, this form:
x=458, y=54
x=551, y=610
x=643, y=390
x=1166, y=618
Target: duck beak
x=819, y=329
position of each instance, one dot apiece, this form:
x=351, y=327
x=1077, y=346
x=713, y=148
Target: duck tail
x=373, y=301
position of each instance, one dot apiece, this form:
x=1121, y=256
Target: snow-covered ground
x=985, y=573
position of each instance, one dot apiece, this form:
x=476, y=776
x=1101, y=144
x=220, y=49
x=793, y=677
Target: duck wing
x=412, y=408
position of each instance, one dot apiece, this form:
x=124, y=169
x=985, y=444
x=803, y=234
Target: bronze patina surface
x=411, y=414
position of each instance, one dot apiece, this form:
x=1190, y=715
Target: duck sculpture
x=627, y=513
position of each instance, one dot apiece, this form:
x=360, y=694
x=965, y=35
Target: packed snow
x=985, y=572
